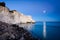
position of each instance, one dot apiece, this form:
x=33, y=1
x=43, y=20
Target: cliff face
x=12, y=16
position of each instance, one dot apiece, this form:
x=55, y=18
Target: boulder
x=2, y=4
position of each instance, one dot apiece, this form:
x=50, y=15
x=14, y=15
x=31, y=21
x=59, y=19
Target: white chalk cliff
x=12, y=16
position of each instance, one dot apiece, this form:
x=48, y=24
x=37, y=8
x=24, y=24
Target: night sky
x=40, y=10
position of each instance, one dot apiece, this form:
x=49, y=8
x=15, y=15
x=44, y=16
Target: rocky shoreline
x=14, y=32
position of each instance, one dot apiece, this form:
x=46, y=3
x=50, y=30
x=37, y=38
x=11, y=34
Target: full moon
x=44, y=11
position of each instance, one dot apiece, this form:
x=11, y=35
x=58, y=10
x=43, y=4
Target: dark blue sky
x=35, y=8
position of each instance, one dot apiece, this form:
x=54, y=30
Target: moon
x=44, y=11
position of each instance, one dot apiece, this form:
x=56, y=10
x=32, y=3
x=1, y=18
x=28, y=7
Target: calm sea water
x=52, y=30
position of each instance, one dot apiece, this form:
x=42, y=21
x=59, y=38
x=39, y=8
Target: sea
x=52, y=30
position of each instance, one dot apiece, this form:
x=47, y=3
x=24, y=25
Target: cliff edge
x=13, y=16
